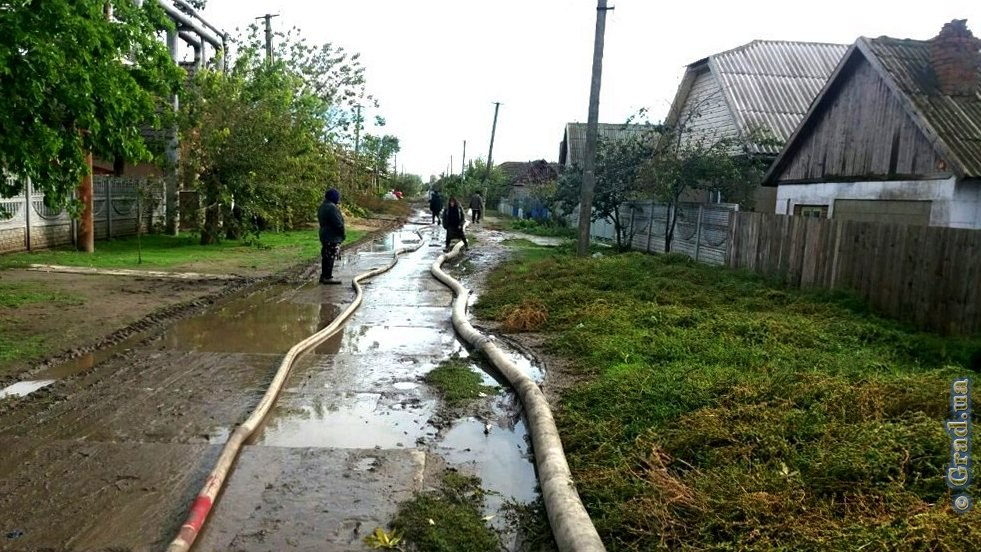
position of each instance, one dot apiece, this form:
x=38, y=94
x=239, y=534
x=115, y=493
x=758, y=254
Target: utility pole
x=463, y=162
x=268, y=17
x=357, y=142
x=589, y=163
x=490, y=152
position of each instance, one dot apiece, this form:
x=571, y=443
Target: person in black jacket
x=453, y=219
x=435, y=206
x=331, y=234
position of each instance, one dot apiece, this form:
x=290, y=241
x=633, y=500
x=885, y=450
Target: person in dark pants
x=331, y=234
x=453, y=219
x=435, y=206
x=476, y=207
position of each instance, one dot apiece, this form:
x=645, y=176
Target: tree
x=409, y=184
x=376, y=152
x=688, y=159
x=66, y=68
x=255, y=144
x=619, y=180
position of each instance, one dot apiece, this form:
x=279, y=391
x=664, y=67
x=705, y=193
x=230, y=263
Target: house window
x=815, y=211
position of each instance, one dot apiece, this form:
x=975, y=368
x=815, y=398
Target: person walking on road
x=453, y=220
x=476, y=207
x=331, y=234
x=435, y=206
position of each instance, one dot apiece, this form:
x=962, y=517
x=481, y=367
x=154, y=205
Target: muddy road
x=108, y=452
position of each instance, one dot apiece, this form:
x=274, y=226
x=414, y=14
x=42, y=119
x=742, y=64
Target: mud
x=112, y=452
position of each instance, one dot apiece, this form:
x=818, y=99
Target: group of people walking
x=332, y=232
x=453, y=216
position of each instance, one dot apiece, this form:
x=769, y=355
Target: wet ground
x=108, y=451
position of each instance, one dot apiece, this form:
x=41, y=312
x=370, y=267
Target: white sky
x=436, y=66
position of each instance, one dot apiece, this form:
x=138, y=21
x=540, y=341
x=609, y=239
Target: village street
x=112, y=456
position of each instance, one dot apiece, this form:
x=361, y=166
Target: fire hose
x=571, y=526
x=205, y=500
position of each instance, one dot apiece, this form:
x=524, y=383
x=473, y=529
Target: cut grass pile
x=270, y=251
x=449, y=519
x=456, y=382
x=720, y=412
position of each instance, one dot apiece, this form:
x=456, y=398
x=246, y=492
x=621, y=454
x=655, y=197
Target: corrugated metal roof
x=771, y=84
x=575, y=138
x=954, y=120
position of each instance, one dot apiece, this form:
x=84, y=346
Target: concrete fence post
x=698, y=231
x=27, y=212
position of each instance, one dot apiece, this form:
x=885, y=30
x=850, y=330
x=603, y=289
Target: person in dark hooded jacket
x=453, y=220
x=435, y=206
x=331, y=234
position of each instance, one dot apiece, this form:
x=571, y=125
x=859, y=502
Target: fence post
x=27, y=212
x=109, y=182
x=698, y=231
x=650, y=227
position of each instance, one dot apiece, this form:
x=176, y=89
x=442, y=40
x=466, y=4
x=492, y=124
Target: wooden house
x=894, y=136
x=761, y=86
x=573, y=146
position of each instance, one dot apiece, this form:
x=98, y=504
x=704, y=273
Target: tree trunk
x=210, y=231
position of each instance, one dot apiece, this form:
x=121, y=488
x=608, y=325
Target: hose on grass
x=203, y=503
x=571, y=526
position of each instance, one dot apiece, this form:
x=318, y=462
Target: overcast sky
x=436, y=66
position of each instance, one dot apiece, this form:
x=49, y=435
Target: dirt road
x=111, y=454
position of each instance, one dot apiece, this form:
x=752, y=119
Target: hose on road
x=571, y=526
x=205, y=500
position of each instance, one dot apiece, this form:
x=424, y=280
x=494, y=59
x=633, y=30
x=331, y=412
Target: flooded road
x=108, y=451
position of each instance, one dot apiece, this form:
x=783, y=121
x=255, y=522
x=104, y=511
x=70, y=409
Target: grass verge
x=270, y=251
x=721, y=412
x=546, y=229
x=17, y=343
x=448, y=520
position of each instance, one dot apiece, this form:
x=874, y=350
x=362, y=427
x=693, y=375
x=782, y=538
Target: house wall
x=706, y=111
x=953, y=204
x=863, y=133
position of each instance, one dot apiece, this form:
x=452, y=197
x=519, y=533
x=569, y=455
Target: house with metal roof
x=573, y=146
x=894, y=136
x=764, y=86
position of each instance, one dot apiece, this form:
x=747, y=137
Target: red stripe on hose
x=199, y=512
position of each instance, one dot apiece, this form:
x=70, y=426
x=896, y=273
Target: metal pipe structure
x=570, y=523
x=190, y=24
x=209, y=492
x=185, y=5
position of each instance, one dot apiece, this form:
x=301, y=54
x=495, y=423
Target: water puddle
x=24, y=388
x=270, y=321
x=350, y=420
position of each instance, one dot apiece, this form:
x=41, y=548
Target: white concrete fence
x=119, y=204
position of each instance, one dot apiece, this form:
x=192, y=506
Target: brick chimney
x=955, y=55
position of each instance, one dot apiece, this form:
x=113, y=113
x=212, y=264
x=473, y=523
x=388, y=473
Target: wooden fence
x=928, y=276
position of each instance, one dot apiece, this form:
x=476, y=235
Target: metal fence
x=119, y=204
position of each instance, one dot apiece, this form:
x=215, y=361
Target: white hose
x=206, y=497
x=570, y=523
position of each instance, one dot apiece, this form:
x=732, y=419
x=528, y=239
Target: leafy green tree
x=409, y=184
x=72, y=81
x=376, y=152
x=255, y=144
x=619, y=180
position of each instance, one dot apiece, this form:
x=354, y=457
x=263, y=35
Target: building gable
x=858, y=130
x=704, y=114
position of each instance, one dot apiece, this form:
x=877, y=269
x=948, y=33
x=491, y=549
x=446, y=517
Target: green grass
x=16, y=343
x=448, y=520
x=456, y=382
x=721, y=412
x=269, y=251
x=548, y=228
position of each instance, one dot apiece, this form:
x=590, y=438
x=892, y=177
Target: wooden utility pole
x=463, y=160
x=589, y=161
x=269, y=50
x=490, y=152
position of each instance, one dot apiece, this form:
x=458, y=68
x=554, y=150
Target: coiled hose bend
x=206, y=497
x=570, y=523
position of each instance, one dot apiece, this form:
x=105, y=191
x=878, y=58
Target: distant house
x=764, y=85
x=523, y=177
x=573, y=146
x=894, y=136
